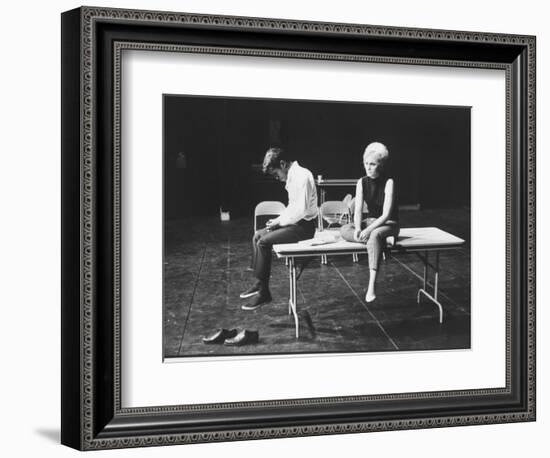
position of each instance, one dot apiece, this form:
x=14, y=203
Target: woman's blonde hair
x=377, y=151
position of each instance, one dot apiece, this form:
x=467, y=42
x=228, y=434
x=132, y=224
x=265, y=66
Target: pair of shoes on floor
x=232, y=337
x=260, y=298
x=243, y=337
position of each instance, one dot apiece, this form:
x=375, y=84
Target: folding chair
x=332, y=212
x=268, y=208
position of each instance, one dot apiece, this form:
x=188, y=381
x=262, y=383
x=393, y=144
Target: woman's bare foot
x=370, y=297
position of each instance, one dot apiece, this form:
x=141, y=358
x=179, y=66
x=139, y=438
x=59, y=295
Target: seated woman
x=378, y=191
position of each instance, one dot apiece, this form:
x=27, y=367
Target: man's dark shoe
x=260, y=299
x=250, y=292
x=219, y=336
x=244, y=337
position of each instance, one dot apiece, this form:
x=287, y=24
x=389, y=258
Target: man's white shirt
x=302, y=196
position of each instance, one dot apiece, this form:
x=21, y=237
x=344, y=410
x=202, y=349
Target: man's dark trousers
x=263, y=241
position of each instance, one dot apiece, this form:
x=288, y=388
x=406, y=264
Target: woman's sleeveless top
x=373, y=195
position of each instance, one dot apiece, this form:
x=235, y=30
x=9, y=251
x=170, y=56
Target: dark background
x=224, y=140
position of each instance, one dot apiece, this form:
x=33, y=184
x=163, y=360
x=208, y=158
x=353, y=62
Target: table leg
x=292, y=304
x=424, y=290
x=436, y=280
x=426, y=260
x=289, y=262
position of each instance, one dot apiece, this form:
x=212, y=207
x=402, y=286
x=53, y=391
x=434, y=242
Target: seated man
x=297, y=222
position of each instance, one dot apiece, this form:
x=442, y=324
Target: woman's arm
x=386, y=211
x=358, y=210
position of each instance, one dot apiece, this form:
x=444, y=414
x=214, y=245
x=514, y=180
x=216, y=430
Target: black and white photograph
x=311, y=226
x=277, y=222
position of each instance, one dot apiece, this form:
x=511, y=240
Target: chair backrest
x=347, y=199
x=267, y=207
x=333, y=212
x=352, y=207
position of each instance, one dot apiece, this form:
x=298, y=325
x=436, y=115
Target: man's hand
x=356, y=234
x=272, y=224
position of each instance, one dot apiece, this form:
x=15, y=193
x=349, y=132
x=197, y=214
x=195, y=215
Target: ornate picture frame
x=93, y=416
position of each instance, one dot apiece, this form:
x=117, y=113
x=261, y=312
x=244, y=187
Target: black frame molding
x=92, y=42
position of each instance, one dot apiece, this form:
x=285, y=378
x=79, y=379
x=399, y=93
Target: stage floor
x=205, y=271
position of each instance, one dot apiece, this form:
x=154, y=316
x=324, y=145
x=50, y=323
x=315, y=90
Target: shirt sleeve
x=299, y=195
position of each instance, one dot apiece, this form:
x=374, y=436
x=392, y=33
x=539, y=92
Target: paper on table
x=321, y=239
